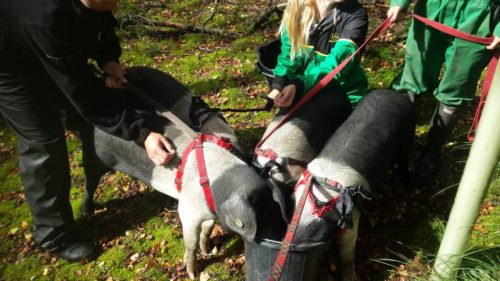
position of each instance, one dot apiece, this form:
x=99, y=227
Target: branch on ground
x=267, y=14
x=184, y=27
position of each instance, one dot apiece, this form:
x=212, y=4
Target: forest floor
x=138, y=228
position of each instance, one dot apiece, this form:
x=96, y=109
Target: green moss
x=24, y=270
x=73, y=144
x=15, y=220
x=249, y=43
x=193, y=41
x=8, y=176
x=428, y=234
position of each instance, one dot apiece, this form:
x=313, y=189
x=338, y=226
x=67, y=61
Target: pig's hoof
x=191, y=270
x=205, y=249
x=191, y=273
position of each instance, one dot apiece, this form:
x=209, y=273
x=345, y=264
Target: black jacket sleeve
x=108, y=45
x=76, y=79
x=355, y=23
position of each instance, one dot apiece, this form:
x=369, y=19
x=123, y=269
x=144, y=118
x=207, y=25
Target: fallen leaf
x=13, y=230
x=46, y=271
x=134, y=257
x=24, y=225
x=214, y=251
x=204, y=276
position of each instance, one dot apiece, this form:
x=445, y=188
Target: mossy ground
x=138, y=228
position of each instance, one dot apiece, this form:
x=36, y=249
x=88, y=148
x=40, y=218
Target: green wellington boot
x=429, y=162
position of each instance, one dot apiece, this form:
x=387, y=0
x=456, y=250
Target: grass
x=138, y=228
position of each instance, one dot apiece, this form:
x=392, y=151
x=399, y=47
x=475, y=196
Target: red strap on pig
x=267, y=153
x=323, y=82
x=491, y=67
x=326, y=207
x=279, y=264
x=197, y=145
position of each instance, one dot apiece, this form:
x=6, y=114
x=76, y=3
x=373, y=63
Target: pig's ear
x=237, y=214
x=281, y=195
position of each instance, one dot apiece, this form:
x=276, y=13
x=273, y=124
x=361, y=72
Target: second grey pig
x=355, y=159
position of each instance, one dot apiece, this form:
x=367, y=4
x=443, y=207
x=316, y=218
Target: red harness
x=327, y=206
x=197, y=145
x=267, y=153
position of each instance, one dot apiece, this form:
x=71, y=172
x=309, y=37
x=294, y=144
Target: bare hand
x=100, y=6
x=285, y=98
x=159, y=149
x=115, y=75
x=273, y=94
x=393, y=13
x=495, y=44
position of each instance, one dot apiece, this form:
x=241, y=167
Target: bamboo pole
x=482, y=160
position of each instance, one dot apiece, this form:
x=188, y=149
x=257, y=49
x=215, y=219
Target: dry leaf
x=204, y=276
x=134, y=257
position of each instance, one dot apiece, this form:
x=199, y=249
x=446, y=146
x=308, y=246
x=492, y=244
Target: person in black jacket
x=44, y=52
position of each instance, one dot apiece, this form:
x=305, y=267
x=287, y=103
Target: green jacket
x=495, y=5
x=331, y=43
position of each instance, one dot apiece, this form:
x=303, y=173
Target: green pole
x=482, y=160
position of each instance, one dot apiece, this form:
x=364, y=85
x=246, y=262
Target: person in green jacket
x=428, y=49
x=316, y=36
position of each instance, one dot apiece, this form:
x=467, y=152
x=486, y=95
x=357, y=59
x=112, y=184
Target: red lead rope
x=323, y=82
x=290, y=232
x=491, y=68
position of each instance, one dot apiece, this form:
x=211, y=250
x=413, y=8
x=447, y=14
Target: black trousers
x=28, y=104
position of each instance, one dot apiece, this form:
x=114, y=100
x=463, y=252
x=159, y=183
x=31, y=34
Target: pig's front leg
x=347, y=245
x=206, y=230
x=191, y=228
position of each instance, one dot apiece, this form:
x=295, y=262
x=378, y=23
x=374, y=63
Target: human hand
x=159, y=149
x=115, y=77
x=273, y=94
x=495, y=44
x=393, y=13
x=285, y=98
x=101, y=6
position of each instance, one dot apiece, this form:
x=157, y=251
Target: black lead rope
x=199, y=108
x=267, y=107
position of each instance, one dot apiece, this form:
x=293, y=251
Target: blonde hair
x=297, y=20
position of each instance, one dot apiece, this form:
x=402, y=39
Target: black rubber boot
x=44, y=169
x=429, y=162
x=70, y=247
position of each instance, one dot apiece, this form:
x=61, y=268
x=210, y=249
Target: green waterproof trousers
x=427, y=49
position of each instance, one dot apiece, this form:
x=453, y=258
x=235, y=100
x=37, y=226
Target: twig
x=266, y=14
x=184, y=27
x=216, y=4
